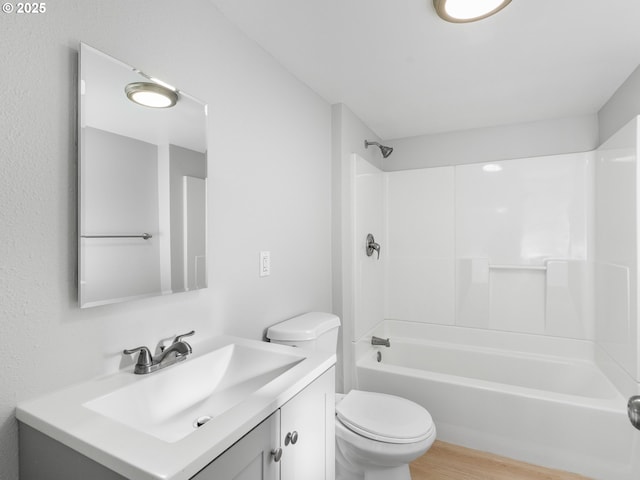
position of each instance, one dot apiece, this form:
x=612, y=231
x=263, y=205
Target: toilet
x=377, y=435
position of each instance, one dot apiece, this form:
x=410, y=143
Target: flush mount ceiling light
x=151, y=95
x=463, y=11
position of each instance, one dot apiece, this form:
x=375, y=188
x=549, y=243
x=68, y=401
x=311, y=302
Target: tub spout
x=380, y=341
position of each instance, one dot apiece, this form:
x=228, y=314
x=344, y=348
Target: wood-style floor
x=445, y=461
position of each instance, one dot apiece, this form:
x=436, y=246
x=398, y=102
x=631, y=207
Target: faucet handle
x=180, y=337
x=144, y=359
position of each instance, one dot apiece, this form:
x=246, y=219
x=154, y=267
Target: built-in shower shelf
x=518, y=267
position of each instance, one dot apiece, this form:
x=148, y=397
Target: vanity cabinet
x=303, y=429
x=307, y=432
x=250, y=458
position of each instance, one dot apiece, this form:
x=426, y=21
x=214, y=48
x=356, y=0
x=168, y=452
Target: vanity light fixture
x=151, y=94
x=463, y=11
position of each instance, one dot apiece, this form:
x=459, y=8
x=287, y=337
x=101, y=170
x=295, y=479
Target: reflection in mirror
x=142, y=186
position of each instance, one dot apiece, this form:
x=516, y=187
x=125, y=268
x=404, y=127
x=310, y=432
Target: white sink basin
x=142, y=426
x=172, y=403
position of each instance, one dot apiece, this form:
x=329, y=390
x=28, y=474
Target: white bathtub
x=554, y=409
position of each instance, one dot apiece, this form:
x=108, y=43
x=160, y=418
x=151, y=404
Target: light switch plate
x=265, y=264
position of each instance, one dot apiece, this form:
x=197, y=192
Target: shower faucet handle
x=372, y=246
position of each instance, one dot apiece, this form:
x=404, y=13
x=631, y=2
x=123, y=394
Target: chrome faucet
x=179, y=347
x=176, y=352
x=380, y=341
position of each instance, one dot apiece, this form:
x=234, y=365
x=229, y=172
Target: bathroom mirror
x=142, y=186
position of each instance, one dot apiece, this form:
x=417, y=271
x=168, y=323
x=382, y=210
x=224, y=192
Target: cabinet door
x=250, y=457
x=309, y=417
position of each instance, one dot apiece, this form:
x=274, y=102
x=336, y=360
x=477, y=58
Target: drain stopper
x=200, y=421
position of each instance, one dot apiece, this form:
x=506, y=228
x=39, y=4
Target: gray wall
x=523, y=140
x=269, y=189
x=621, y=107
x=120, y=196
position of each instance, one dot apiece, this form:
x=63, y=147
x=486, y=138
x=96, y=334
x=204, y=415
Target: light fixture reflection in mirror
x=142, y=187
x=151, y=95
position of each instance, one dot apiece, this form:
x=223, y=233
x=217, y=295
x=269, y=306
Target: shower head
x=386, y=151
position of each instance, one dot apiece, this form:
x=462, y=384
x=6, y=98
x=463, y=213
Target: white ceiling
x=405, y=72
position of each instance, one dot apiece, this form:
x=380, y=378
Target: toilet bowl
x=377, y=435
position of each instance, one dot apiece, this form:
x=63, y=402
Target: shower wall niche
x=501, y=246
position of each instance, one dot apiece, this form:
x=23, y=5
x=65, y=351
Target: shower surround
x=502, y=246
x=489, y=267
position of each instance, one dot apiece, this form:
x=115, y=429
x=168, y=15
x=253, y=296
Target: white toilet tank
x=313, y=330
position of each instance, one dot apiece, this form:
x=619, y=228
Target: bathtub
x=495, y=391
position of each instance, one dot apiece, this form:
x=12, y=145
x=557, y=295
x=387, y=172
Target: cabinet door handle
x=291, y=438
x=277, y=454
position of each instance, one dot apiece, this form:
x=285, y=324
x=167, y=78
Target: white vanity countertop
x=139, y=456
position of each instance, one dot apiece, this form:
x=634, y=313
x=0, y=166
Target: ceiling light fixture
x=463, y=11
x=151, y=95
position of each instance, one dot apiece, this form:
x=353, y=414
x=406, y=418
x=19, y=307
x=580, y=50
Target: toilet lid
x=383, y=417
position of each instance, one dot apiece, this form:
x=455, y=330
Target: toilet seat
x=384, y=418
